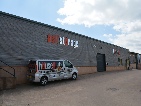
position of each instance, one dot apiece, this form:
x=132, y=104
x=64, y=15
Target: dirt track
x=121, y=88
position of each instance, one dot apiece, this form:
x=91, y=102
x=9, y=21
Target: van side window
x=68, y=64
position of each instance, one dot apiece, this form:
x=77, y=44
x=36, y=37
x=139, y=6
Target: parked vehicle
x=49, y=70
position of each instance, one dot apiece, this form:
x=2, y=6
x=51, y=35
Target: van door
x=54, y=76
x=32, y=70
x=60, y=69
x=68, y=69
x=55, y=68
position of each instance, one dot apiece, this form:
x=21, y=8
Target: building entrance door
x=101, y=63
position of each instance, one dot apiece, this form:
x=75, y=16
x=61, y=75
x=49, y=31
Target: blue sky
x=114, y=21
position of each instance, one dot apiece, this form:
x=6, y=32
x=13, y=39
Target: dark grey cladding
x=22, y=39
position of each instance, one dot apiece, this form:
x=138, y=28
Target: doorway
x=101, y=63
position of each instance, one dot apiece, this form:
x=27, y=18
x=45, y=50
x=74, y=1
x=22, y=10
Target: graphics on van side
x=53, y=66
x=61, y=40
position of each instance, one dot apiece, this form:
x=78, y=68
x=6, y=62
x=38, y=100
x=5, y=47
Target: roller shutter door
x=101, y=63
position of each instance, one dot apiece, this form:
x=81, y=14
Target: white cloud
x=131, y=41
x=108, y=35
x=93, y=12
x=123, y=15
x=133, y=26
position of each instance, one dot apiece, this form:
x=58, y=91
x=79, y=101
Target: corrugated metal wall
x=22, y=39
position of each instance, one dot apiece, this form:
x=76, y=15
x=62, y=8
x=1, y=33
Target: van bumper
x=32, y=78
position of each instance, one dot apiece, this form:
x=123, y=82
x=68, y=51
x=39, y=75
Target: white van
x=49, y=70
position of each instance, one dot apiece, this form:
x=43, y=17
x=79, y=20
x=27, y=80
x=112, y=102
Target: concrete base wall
x=7, y=83
x=132, y=66
x=139, y=66
x=1, y=84
x=89, y=70
x=118, y=68
x=20, y=72
x=86, y=70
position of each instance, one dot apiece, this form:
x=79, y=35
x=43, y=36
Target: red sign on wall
x=61, y=40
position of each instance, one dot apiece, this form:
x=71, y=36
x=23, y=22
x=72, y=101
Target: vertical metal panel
x=101, y=63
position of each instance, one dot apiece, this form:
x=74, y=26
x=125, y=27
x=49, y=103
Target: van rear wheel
x=74, y=76
x=44, y=81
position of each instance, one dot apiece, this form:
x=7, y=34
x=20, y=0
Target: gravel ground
x=118, y=88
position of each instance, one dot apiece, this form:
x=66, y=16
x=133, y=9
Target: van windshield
x=68, y=64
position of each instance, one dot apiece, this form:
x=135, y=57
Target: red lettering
x=43, y=65
x=53, y=39
x=53, y=65
x=49, y=37
x=66, y=41
x=61, y=40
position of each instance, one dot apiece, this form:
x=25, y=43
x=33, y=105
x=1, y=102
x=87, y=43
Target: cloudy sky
x=114, y=21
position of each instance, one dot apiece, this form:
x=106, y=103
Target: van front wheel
x=43, y=81
x=74, y=76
